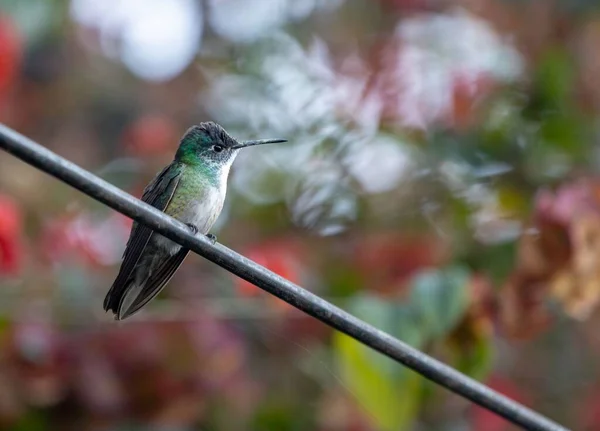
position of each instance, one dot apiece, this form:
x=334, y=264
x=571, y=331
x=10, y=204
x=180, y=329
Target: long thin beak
x=258, y=142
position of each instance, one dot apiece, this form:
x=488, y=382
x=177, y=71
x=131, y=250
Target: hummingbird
x=190, y=189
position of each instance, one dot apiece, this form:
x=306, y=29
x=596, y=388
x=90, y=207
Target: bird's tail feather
x=128, y=299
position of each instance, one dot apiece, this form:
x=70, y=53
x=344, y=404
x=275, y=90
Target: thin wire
x=49, y=162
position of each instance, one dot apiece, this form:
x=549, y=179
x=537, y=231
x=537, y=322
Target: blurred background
x=441, y=182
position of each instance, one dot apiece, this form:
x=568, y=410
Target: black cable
x=49, y=162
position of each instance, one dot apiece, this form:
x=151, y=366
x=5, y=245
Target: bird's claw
x=193, y=228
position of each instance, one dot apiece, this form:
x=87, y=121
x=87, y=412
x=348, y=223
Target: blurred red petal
x=244, y=287
x=10, y=53
x=151, y=135
x=391, y=259
x=556, y=259
x=283, y=257
x=279, y=256
x=11, y=255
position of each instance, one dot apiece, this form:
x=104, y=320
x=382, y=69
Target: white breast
x=202, y=211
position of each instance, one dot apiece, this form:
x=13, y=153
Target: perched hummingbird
x=191, y=189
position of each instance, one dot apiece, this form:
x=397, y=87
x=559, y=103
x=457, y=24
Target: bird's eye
x=217, y=148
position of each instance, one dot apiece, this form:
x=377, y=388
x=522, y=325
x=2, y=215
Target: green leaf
x=555, y=77
x=476, y=360
x=277, y=415
x=33, y=420
x=496, y=261
x=36, y=19
x=391, y=399
x=440, y=299
x=389, y=393
x=344, y=281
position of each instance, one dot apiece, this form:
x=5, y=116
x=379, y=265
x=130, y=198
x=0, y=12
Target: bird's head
x=209, y=144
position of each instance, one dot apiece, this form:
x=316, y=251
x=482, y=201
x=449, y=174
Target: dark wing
x=155, y=283
x=158, y=194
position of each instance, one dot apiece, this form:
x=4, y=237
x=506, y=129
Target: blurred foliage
x=441, y=182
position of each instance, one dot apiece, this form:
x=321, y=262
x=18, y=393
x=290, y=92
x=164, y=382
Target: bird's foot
x=193, y=228
x=212, y=238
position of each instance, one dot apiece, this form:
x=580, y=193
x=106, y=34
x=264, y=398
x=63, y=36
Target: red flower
x=392, y=259
x=280, y=256
x=10, y=54
x=10, y=236
x=150, y=135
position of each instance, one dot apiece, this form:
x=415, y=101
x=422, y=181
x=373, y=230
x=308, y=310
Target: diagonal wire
x=49, y=162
